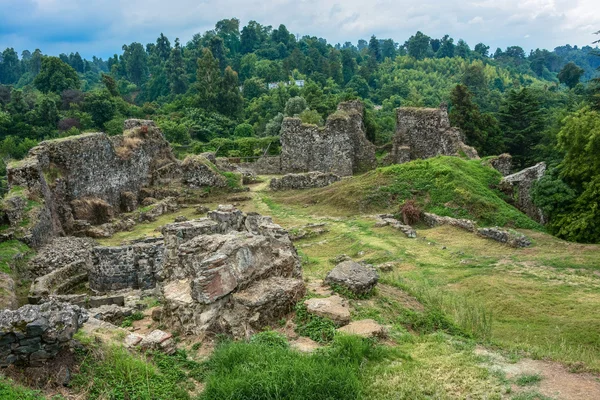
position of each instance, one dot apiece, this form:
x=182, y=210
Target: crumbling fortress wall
x=341, y=147
x=424, y=133
x=65, y=185
x=518, y=187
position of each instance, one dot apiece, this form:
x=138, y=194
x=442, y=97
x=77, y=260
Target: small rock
x=365, y=328
x=353, y=276
x=132, y=340
x=157, y=314
x=181, y=218
x=305, y=345
x=202, y=209
x=334, y=308
x=341, y=258
x=159, y=340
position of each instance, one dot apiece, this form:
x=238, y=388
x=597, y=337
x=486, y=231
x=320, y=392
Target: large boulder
x=353, y=276
x=198, y=171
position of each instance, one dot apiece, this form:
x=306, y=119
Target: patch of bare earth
x=557, y=381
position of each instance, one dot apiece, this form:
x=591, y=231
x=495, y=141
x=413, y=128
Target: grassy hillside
x=448, y=186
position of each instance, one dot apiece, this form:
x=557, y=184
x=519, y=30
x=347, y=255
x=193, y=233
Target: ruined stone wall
x=268, y=165
x=424, y=133
x=303, y=181
x=89, y=167
x=341, y=147
x=34, y=334
x=518, y=187
x=132, y=266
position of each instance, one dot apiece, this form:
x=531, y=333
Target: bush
x=174, y=132
x=114, y=126
x=411, y=213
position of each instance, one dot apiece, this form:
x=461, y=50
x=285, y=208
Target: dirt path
x=557, y=382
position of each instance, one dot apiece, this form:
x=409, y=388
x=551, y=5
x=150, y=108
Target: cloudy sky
x=101, y=27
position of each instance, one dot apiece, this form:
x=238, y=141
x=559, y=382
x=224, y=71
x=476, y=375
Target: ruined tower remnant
x=341, y=147
x=424, y=133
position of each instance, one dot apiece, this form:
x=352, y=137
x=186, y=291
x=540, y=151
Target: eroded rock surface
x=366, y=328
x=334, y=308
x=353, y=276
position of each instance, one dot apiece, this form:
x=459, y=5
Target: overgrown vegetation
x=448, y=186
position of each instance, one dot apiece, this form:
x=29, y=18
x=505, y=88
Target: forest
x=228, y=90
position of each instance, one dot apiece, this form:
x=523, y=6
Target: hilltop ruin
x=424, y=133
x=340, y=147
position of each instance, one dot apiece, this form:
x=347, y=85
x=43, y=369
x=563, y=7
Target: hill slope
x=448, y=186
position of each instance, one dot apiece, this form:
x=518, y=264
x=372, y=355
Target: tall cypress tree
x=176, y=70
x=521, y=122
x=230, y=101
x=208, y=80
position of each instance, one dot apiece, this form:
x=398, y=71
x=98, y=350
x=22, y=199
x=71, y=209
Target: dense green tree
x=175, y=68
x=229, y=99
x=163, y=47
x=570, y=75
x=295, y=106
x=481, y=130
x=482, y=50
x=229, y=31
x=243, y=130
x=208, y=81
x=374, y=48
x=101, y=106
x=56, y=76
x=388, y=49
x=418, y=46
x=9, y=67
x=446, y=47
x=111, y=85
x=135, y=59
x=521, y=121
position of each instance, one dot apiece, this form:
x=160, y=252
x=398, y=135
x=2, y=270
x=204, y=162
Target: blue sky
x=101, y=27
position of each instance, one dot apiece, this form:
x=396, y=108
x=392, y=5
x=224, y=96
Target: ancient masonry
x=230, y=272
x=308, y=180
x=518, y=187
x=424, y=133
x=34, y=334
x=341, y=147
x=70, y=185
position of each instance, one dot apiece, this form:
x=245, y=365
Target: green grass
x=448, y=186
x=259, y=370
x=528, y=379
x=317, y=328
x=114, y=373
x=8, y=251
x=10, y=391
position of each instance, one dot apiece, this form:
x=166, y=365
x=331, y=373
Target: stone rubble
x=389, y=220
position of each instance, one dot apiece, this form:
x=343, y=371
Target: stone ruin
x=69, y=186
x=341, y=147
x=308, y=180
x=230, y=273
x=34, y=334
x=424, y=133
x=518, y=188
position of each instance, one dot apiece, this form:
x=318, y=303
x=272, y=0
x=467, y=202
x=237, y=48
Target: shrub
x=411, y=213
